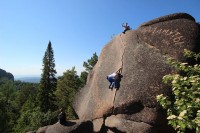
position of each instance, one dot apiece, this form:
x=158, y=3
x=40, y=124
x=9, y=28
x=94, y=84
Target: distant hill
x=29, y=79
x=4, y=74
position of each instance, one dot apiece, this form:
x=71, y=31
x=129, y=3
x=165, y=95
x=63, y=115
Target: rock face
x=142, y=55
x=124, y=125
x=42, y=129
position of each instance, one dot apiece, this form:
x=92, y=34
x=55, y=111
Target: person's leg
x=110, y=85
x=109, y=79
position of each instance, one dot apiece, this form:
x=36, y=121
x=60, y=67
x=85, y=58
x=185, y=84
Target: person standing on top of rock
x=126, y=27
x=115, y=79
x=62, y=117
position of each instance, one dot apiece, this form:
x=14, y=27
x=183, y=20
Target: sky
x=76, y=28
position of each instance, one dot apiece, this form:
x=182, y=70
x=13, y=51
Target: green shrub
x=183, y=108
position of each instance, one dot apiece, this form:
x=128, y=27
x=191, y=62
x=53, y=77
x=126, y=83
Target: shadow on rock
x=69, y=123
x=78, y=126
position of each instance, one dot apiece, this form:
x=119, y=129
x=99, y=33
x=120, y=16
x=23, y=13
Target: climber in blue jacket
x=115, y=79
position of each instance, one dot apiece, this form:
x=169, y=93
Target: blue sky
x=76, y=28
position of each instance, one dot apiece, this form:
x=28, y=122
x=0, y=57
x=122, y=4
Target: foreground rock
x=142, y=55
x=84, y=126
x=42, y=129
x=123, y=125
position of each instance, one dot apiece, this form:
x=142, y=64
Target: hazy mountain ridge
x=5, y=74
x=29, y=79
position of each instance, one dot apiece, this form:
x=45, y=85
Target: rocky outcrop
x=6, y=75
x=142, y=55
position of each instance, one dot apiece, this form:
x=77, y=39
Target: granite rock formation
x=142, y=55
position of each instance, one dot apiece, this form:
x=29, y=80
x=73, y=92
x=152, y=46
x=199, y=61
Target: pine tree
x=90, y=63
x=83, y=78
x=48, y=82
x=88, y=67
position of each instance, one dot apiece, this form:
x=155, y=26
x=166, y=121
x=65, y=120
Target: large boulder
x=142, y=55
x=123, y=125
x=97, y=125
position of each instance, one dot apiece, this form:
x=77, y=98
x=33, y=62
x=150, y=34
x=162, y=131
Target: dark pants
x=113, y=82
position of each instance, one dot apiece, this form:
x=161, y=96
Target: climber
x=62, y=117
x=126, y=27
x=115, y=79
